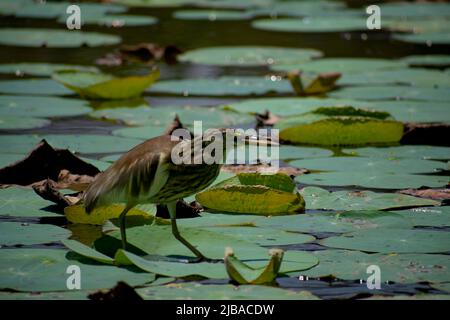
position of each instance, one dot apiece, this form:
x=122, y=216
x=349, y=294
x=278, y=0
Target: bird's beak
x=260, y=141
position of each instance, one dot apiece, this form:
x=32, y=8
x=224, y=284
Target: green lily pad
x=337, y=223
x=86, y=251
x=211, y=15
x=45, y=270
x=291, y=106
x=54, y=38
x=321, y=199
x=294, y=152
x=412, y=152
x=370, y=165
x=343, y=65
x=77, y=213
x=145, y=132
x=36, y=106
x=242, y=273
x=91, y=143
x=374, y=180
x=441, y=38
x=304, y=8
x=116, y=20
x=224, y=86
x=392, y=241
x=219, y=220
x=253, y=194
x=46, y=87
x=7, y=159
x=415, y=111
x=432, y=60
x=16, y=233
x=392, y=92
x=40, y=69
x=163, y=116
x=20, y=122
x=313, y=24
x=398, y=268
x=415, y=77
x=248, y=55
x=262, y=236
x=421, y=25
x=339, y=130
x=432, y=217
x=406, y=10
x=158, y=240
x=104, y=86
x=21, y=202
x=195, y=291
x=49, y=10
x=84, y=143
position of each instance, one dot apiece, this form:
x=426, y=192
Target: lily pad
x=36, y=106
x=415, y=77
x=162, y=116
x=392, y=241
x=53, y=38
x=336, y=223
x=45, y=270
x=392, y=93
x=40, y=69
x=7, y=158
x=145, y=132
x=291, y=106
x=91, y=143
x=116, y=20
x=294, y=152
x=431, y=217
x=254, y=194
x=321, y=199
x=339, y=130
x=211, y=15
x=432, y=60
x=374, y=180
x=262, y=236
x=248, y=55
x=440, y=38
x=412, y=152
x=46, y=87
x=57, y=295
x=398, y=268
x=313, y=24
x=158, y=240
x=371, y=165
x=406, y=10
x=342, y=65
x=224, y=86
x=415, y=111
x=20, y=122
x=195, y=291
x=16, y=233
x=77, y=214
x=21, y=202
x=104, y=86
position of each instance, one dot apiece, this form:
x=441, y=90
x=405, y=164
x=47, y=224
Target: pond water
x=192, y=34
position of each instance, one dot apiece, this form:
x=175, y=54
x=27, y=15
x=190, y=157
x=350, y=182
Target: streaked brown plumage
x=146, y=174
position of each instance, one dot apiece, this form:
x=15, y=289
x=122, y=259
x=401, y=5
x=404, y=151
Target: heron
x=148, y=174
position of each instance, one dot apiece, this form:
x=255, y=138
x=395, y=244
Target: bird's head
x=215, y=143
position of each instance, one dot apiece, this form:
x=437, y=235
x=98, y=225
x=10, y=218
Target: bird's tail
x=93, y=194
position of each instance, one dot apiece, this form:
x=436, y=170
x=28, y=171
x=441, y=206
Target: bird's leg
x=122, y=224
x=172, y=207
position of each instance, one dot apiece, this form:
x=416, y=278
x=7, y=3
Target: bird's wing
x=130, y=180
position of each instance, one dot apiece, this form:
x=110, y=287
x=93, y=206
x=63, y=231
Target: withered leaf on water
x=44, y=163
x=436, y=194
